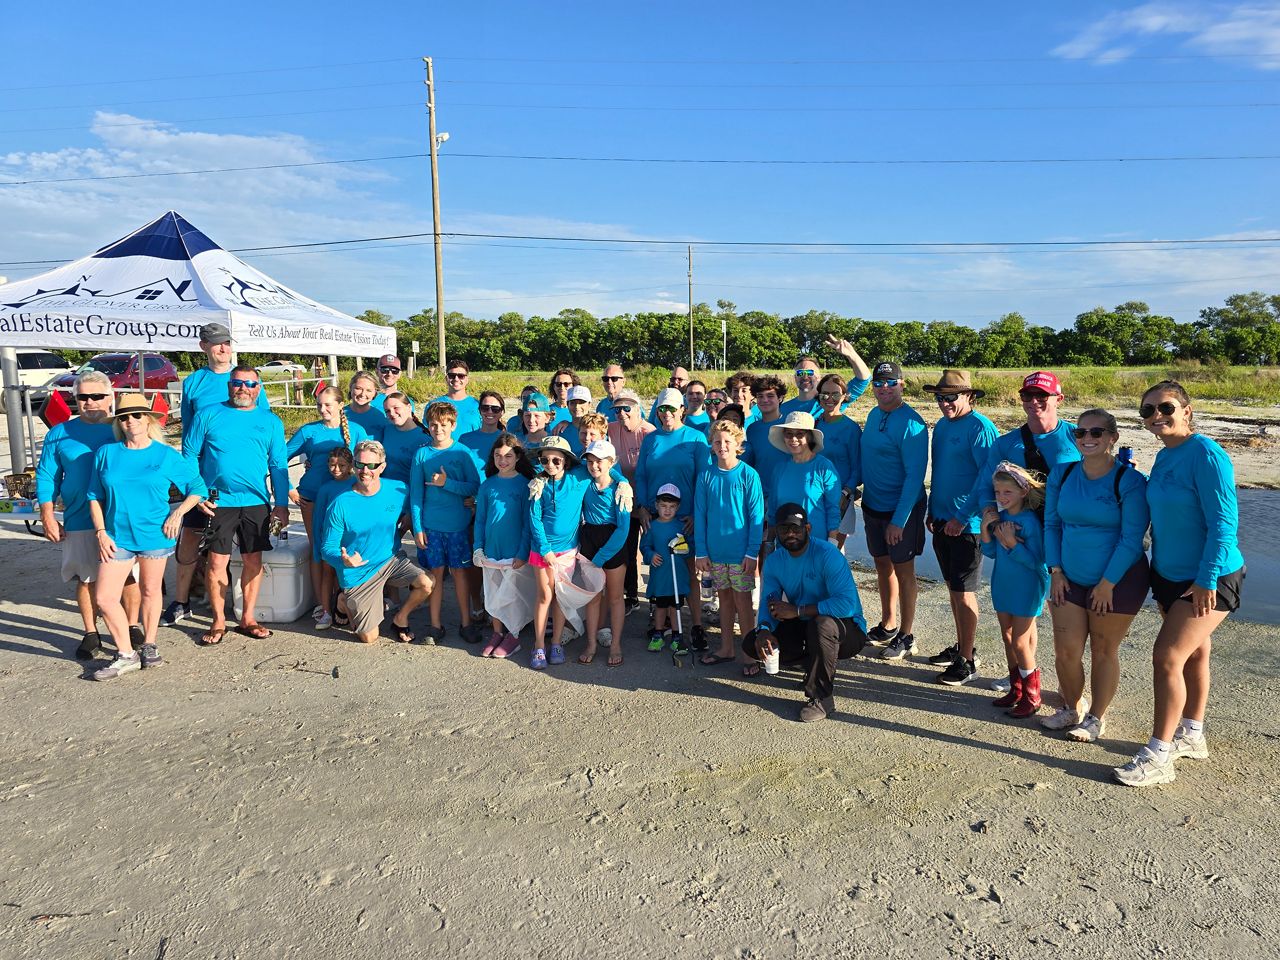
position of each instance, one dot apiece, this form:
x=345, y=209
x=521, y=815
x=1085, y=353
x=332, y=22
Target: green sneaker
x=656, y=641
x=678, y=645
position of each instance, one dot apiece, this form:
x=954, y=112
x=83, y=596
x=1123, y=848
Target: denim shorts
x=128, y=556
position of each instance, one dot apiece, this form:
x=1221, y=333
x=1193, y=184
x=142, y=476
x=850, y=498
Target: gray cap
x=215, y=333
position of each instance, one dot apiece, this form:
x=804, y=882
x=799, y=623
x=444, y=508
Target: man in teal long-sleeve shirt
x=895, y=456
x=809, y=609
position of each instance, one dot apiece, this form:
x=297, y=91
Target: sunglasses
x=368, y=466
x=1148, y=410
x=1028, y=395
x=395, y=370
x=946, y=397
x=885, y=383
x=1095, y=432
x=715, y=401
x=564, y=383
x=82, y=397
x=805, y=373
x=612, y=379
x=551, y=461
x=490, y=408
x=244, y=384
x=831, y=396
x=667, y=409
x=454, y=376
x=624, y=408
x=136, y=415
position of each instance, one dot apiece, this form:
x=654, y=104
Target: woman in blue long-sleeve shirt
x=1197, y=572
x=1095, y=517
x=842, y=445
x=807, y=478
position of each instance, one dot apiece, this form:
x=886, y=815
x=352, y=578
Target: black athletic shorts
x=194, y=519
x=876, y=522
x=1169, y=592
x=960, y=558
x=250, y=526
x=593, y=536
x=1128, y=595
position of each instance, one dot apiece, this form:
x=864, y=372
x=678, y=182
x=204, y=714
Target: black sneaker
x=175, y=612
x=944, y=658
x=878, y=636
x=470, y=633
x=959, y=673
x=137, y=638
x=901, y=648
x=90, y=644
x=698, y=639
x=630, y=605
x=817, y=710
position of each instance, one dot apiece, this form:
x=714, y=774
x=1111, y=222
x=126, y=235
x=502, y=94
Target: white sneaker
x=317, y=612
x=604, y=636
x=1087, y=730
x=1146, y=770
x=1189, y=746
x=324, y=621
x=1001, y=684
x=1061, y=719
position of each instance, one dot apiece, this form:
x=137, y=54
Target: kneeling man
x=811, y=610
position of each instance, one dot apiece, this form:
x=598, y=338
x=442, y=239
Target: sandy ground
x=307, y=796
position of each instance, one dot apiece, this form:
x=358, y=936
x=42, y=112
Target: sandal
x=538, y=659
x=255, y=631
x=340, y=619
x=213, y=637
x=402, y=634
x=615, y=659
x=751, y=669
x=714, y=659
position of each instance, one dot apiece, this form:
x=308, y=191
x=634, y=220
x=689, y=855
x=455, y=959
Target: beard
x=241, y=402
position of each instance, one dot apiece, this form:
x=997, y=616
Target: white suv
x=35, y=369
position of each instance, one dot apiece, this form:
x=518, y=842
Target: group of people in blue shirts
x=545, y=515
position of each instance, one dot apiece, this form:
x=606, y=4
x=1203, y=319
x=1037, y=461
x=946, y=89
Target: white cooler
x=286, y=592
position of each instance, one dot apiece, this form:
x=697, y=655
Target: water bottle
x=1125, y=456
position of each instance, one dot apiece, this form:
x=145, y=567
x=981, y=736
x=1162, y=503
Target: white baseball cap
x=579, y=393
x=601, y=450
x=669, y=490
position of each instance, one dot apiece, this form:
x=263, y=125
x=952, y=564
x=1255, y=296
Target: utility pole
x=435, y=207
x=690, y=308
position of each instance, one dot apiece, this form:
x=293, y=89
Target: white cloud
x=1224, y=30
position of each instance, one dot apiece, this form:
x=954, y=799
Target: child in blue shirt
x=502, y=532
x=1019, y=580
x=444, y=474
x=655, y=549
x=606, y=524
x=341, y=465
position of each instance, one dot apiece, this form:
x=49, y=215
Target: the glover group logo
x=160, y=293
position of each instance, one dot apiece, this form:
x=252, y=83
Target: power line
x=802, y=61
x=240, y=116
x=962, y=290
x=756, y=108
x=212, y=96
x=651, y=85
x=660, y=160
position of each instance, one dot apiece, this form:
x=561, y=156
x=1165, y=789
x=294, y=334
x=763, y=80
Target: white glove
x=535, y=487
x=624, y=497
x=478, y=558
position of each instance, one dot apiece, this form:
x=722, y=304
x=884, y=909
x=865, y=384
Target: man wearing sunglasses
x=962, y=439
x=808, y=374
x=456, y=375
x=626, y=434
x=388, y=373
x=65, y=469
x=362, y=542
x=895, y=457
x=237, y=447
x=204, y=388
x=614, y=382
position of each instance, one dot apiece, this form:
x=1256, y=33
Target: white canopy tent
x=155, y=288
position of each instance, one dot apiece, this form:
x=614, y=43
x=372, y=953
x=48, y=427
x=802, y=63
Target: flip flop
x=212, y=638
x=254, y=632
x=583, y=658
x=714, y=659
x=402, y=634
x=615, y=661
x=751, y=669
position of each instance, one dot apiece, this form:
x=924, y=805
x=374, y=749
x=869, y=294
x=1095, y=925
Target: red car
x=122, y=370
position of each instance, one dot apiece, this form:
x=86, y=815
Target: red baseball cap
x=1045, y=381
x=389, y=360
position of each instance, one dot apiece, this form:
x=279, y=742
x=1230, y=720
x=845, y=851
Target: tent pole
x=13, y=415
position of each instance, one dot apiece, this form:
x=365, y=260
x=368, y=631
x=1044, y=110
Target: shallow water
x=1259, y=542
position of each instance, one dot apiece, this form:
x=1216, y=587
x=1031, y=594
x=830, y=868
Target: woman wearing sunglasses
x=480, y=440
x=1197, y=572
x=842, y=443
x=134, y=522
x=1095, y=517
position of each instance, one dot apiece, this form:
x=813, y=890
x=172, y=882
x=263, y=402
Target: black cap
x=888, y=370
x=215, y=333
x=790, y=514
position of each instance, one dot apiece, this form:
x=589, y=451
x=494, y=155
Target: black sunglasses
x=1025, y=395
x=1095, y=432
x=456, y=376
x=1148, y=410
x=608, y=379
x=490, y=408
x=623, y=408
x=368, y=466
x=82, y=397
x=545, y=461
x=715, y=401
x=136, y=415
x=946, y=397
x=388, y=369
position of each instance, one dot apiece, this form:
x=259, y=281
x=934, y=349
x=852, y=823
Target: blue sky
x=127, y=90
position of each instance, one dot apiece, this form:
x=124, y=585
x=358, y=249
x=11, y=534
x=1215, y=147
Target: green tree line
x=1245, y=330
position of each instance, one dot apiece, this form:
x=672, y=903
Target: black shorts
x=960, y=558
x=876, y=522
x=663, y=603
x=1168, y=592
x=194, y=519
x=593, y=536
x=1127, y=597
x=250, y=526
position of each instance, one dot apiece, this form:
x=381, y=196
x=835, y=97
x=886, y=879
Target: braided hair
x=333, y=393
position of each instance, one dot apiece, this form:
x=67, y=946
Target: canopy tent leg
x=13, y=411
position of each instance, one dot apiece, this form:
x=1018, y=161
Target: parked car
x=122, y=370
x=273, y=367
x=35, y=369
